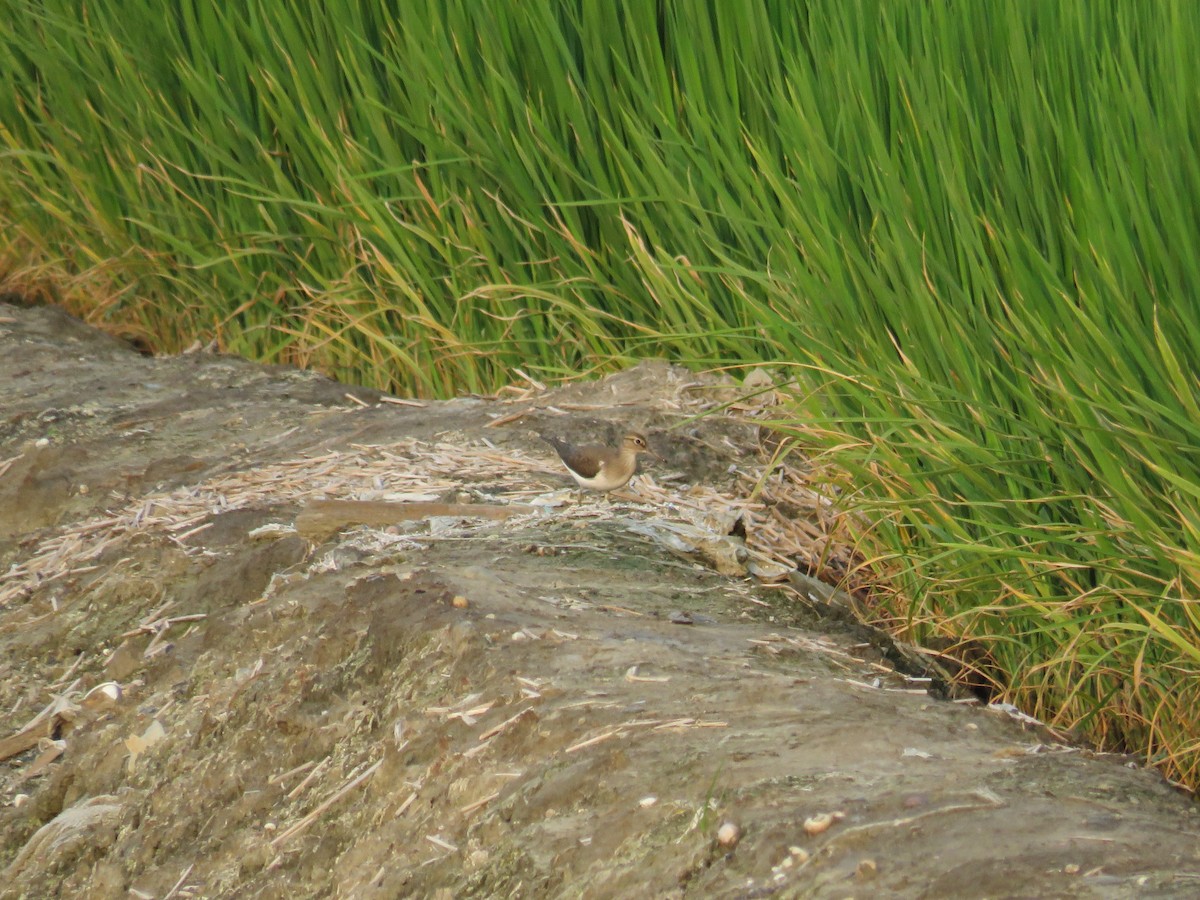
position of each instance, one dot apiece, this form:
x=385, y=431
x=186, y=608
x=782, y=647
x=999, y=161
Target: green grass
x=969, y=228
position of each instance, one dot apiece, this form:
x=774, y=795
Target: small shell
x=102, y=695
x=460, y=602
x=728, y=834
x=818, y=824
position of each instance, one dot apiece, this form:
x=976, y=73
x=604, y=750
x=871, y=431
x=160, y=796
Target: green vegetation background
x=970, y=230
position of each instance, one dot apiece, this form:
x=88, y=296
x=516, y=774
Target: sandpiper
x=598, y=467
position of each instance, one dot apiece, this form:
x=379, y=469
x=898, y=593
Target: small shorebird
x=598, y=467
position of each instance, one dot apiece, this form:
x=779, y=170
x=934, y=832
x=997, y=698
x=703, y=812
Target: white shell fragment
x=102, y=696
x=729, y=834
x=820, y=823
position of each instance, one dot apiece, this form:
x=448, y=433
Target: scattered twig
x=40, y=726
x=689, y=723
x=405, y=805
x=312, y=776
x=324, y=805
x=437, y=841
x=71, y=671
x=160, y=625
x=303, y=767
x=6, y=463
x=192, y=531
x=631, y=675
x=486, y=737
x=400, y=401
x=505, y=420
x=483, y=801
x=182, y=878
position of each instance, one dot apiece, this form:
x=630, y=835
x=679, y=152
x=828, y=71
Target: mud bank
x=199, y=699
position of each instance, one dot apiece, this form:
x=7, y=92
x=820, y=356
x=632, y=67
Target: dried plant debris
x=409, y=479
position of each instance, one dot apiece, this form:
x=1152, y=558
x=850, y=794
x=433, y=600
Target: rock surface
x=552, y=704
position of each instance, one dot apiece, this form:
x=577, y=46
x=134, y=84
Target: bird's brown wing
x=584, y=460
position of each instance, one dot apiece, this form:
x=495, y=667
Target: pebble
x=866, y=870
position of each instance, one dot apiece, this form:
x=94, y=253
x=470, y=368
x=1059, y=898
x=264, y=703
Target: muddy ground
x=199, y=700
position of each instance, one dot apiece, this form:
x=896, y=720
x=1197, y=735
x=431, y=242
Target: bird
x=598, y=467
